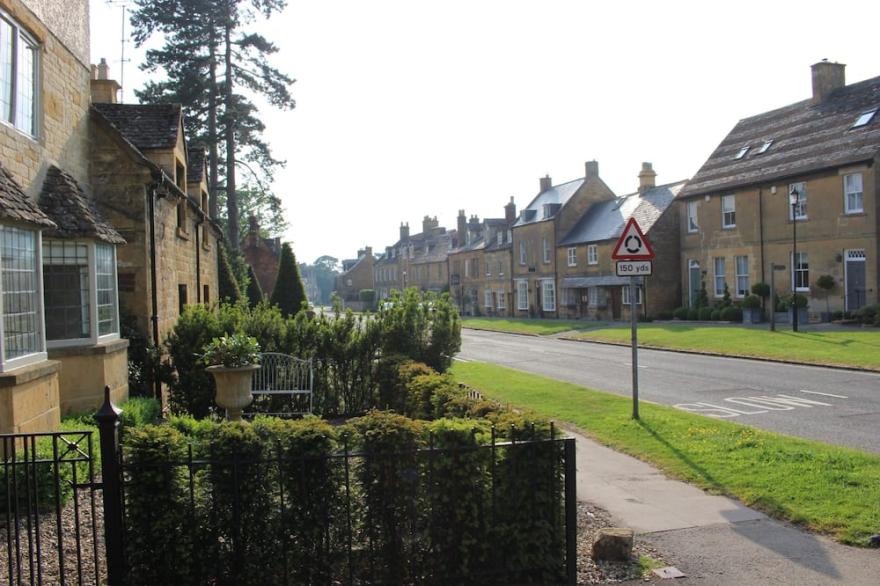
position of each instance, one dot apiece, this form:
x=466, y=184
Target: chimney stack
x=103, y=88
x=591, y=169
x=461, y=226
x=646, y=177
x=827, y=77
x=510, y=211
x=546, y=183
x=404, y=231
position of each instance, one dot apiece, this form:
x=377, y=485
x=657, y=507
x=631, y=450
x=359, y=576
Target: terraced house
x=59, y=322
x=814, y=164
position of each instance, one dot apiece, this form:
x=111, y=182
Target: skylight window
x=742, y=152
x=765, y=146
x=864, y=118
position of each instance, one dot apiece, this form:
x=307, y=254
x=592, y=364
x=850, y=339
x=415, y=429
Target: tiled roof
x=195, y=170
x=806, y=137
x=605, y=220
x=15, y=204
x=146, y=126
x=556, y=196
x=74, y=214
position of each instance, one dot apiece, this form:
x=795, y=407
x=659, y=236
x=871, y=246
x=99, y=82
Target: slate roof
x=605, y=220
x=16, y=205
x=806, y=137
x=556, y=195
x=195, y=170
x=74, y=214
x=481, y=243
x=146, y=126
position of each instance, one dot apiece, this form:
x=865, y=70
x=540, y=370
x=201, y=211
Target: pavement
x=713, y=539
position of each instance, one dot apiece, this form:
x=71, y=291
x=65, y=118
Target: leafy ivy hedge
x=384, y=498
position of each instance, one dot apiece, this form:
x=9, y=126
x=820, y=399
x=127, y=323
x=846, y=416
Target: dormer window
x=864, y=118
x=500, y=237
x=741, y=152
x=767, y=144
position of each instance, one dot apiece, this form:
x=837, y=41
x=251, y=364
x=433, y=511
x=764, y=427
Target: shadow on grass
x=684, y=458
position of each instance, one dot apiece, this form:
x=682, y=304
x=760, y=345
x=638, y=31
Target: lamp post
x=794, y=199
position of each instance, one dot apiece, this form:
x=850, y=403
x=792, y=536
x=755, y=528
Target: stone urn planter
x=232, y=362
x=233, y=388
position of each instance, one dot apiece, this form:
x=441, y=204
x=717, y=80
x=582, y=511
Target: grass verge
x=860, y=349
x=828, y=489
x=539, y=327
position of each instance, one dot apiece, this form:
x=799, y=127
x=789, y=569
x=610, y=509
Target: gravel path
x=48, y=563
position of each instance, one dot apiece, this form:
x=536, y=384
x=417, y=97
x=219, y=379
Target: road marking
x=825, y=394
x=760, y=404
x=461, y=359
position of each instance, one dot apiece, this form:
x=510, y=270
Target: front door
x=855, y=279
x=693, y=282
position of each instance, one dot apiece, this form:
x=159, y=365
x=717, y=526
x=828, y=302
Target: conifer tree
x=254, y=291
x=289, y=293
x=228, y=284
x=208, y=54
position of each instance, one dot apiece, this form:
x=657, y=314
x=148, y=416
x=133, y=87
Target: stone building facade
x=263, y=255
x=357, y=275
x=588, y=284
x=737, y=220
x=59, y=331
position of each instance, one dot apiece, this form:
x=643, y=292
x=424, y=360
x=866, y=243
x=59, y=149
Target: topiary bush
x=693, y=314
x=289, y=294
x=715, y=315
x=705, y=313
x=680, y=313
x=732, y=313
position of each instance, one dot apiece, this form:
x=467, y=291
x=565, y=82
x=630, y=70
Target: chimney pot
x=103, y=69
x=591, y=169
x=646, y=177
x=827, y=77
x=510, y=211
x=546, y=183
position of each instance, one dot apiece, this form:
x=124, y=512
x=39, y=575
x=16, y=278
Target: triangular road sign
x=632, y=244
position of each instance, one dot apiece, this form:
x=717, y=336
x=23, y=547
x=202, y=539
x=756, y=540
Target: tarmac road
x=830, y=405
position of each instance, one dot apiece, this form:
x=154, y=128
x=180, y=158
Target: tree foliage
x=289, y=293
x=228, y=283
x=254, y=291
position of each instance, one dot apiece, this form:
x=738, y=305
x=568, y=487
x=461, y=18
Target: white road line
x=824, y=394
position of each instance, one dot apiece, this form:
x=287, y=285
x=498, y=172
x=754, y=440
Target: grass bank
x=538, y=327
x=828, y=489
x=844, y=348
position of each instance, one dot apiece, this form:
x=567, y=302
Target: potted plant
x=232, y=362
x=751, y=309
x=798, y=302
x=826, y=284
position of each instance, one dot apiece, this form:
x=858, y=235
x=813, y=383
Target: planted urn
x=232, y=362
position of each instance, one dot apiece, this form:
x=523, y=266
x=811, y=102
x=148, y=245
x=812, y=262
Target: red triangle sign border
x=621, y=252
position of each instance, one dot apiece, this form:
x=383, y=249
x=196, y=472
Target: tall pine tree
x=208, y=54
x=289, y=293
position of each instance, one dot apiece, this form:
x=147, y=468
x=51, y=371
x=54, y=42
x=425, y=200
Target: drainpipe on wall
x=198, y=261
x=761, y=227
x=154, y=289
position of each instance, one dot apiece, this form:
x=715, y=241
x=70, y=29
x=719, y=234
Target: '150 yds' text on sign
x=634, y=268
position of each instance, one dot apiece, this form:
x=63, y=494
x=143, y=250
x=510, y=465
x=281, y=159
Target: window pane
x=66, y=290
x=24, y=99
x=105, y=268
x=18, y=251
x=6, y=48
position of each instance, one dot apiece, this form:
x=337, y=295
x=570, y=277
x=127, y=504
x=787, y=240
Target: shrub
x=232, y=351
x=191, y=389
x=693, y=314
x=726, y=300
x=762, y=290
x=715, y=315
x=421, y=392
x=289, y=294
x=705, y=313
x=254, y=291
x=680, y=313
x=228, y=287
x=751, y=302
x=867, y=314
x=423, y=326
x=139, y=411
x=368, y=297
x=731, y=314
x=664, y=315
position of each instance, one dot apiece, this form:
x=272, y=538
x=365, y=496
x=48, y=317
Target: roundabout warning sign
x=632, y=244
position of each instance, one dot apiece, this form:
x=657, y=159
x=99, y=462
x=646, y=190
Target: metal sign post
x=633, y=254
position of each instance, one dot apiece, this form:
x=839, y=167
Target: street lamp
x=794, y=200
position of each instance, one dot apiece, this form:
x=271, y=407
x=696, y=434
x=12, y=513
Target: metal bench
x=283, y=385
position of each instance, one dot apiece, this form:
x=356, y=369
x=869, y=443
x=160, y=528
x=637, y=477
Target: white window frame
x=692, y=225
x=795, y=268
x=501, y=304
x=593, y=296
x=522, y=252
x=500, y=237
x=39, y=315
x=572, y=257
x=487, y=298
x=546, y=247
x=801, y=214
x=860, y=194
x=522, y=295
x=592, y=254
x=728, y=213
x=11, y=118
x=624, y=295
x=742, y=275
x=719, y=291
x=548, y=295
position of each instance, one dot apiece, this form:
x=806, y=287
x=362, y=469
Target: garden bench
x=283, y=385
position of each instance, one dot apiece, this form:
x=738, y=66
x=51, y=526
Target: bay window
x=21, y=329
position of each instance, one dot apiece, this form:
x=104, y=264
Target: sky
x=407, y=108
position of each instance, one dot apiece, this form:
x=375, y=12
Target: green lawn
x=844, y=348
x=829, y=489
x=540, y=327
